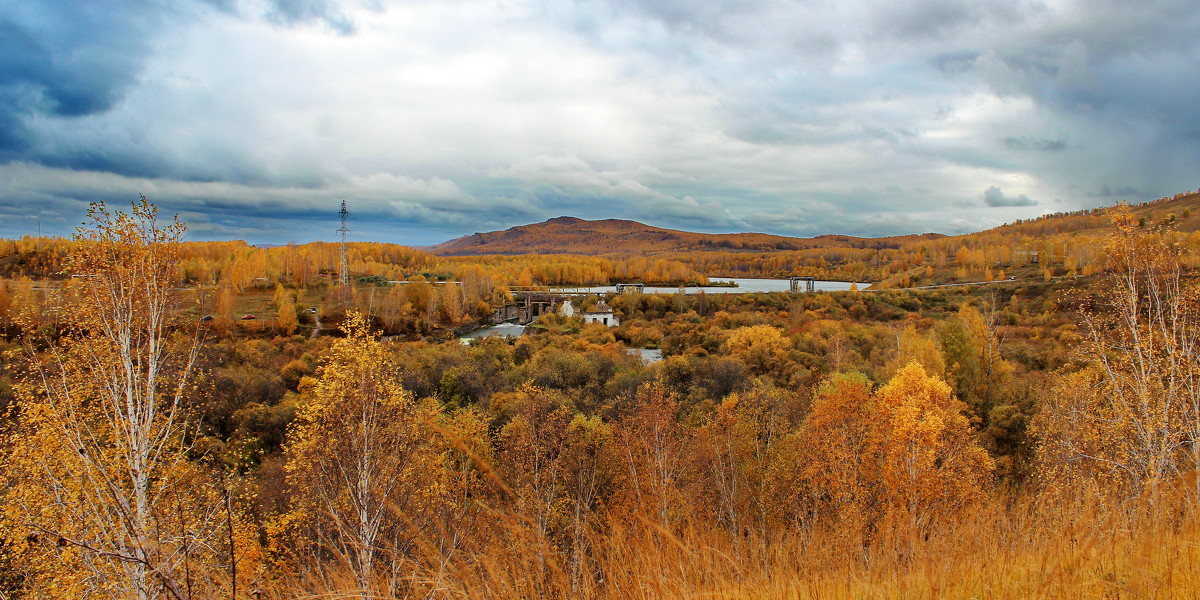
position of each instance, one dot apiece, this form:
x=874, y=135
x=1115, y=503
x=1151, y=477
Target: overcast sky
x=253, y=119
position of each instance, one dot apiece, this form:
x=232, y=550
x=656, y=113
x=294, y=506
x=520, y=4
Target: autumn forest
x=191, y=420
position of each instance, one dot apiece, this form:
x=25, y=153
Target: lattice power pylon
x=344, y=264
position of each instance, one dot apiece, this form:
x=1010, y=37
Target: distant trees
x=859, y=432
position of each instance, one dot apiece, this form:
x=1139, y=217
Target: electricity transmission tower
x=344, y=265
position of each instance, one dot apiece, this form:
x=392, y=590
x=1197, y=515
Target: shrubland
x=1014, y=441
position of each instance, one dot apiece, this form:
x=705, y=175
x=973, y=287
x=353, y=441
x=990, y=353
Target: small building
x=566, y=309
x=601, y=313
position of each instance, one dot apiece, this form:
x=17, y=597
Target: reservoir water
x=744, y=286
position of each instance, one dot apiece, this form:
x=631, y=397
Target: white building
x=566, y=309
x=602, y=314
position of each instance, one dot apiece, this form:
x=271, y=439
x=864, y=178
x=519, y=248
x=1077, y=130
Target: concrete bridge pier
x=810, y=283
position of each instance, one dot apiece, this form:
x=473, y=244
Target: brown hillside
x=569, y=235
x=1181, y=211
x=1065, y=244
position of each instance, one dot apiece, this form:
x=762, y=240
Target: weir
x=528, y=307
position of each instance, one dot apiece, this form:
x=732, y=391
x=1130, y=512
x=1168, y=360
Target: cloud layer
x=254, y=119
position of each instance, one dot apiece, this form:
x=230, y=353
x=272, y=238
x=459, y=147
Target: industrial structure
x=344, y=263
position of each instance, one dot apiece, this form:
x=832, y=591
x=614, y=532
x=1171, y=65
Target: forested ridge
x=1039, y=438
x=568, y=251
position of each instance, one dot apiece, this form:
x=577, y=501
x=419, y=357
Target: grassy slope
x=1181, y=212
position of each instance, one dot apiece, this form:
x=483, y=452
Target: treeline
x=621, y=238
x=245, y=267
x=404, y=291
x=1060, y=245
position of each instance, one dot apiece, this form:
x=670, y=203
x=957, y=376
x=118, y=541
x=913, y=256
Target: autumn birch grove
x=191, y=420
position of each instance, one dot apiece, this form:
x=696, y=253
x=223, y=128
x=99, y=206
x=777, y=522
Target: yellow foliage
x=99, y=475
x=760, y=347
x=363, y=463
x=922, y=349
x=287, y=311
x=928, y=460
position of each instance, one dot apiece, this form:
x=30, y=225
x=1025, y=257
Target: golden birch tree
x=836, y=462
x=927, y=459
x=913, y=346
x=588, y=464
x=742, y=455
x=287, y=311
x=224, y=304
x=101, y=479
x=1140, y=425
x=365, y=469
x=653, y=451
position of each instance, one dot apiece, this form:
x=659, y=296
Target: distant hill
x=1064, y=244
x=569, y=235
x=1181, y=212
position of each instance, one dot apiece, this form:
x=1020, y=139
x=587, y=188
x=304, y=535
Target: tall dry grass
x=1061, y=546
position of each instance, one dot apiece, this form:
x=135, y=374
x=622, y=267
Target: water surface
x=745, y=286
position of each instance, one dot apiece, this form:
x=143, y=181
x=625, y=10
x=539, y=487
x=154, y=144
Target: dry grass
x=1015, y=549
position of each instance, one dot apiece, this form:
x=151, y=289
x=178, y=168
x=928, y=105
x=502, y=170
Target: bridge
x=810, y=283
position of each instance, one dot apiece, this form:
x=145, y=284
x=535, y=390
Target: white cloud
x=862, y=117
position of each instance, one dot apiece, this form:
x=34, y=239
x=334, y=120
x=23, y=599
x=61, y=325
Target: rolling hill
x=569, y=235
x=1053, y=245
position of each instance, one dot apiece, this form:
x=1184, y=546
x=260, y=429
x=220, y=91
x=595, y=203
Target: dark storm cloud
x=73, y=60
x=70, y=60
x=64, y=62
x=1114, y=192
x=1111, y=61
x=13, y=135
x=431, y=210
x=467, y=115
x=1028, y=143
x=292, y=12
x=994, y=196
x=53, y=72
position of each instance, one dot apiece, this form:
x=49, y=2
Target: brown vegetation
x=952, y=443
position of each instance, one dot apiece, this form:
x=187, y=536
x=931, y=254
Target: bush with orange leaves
x=893, y=462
